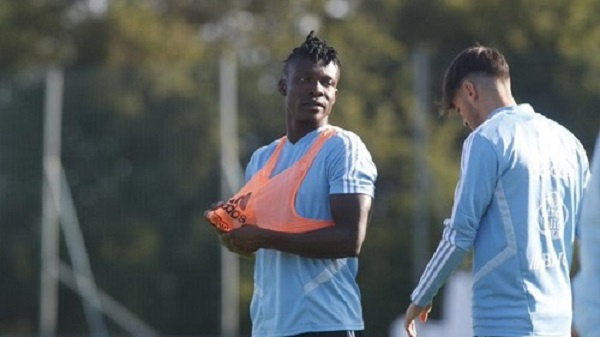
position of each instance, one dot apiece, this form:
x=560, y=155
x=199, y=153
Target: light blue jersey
x=587, y=284
x=294, y=294
x=517, y=204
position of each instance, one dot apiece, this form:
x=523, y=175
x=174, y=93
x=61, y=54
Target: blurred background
x=121, y=121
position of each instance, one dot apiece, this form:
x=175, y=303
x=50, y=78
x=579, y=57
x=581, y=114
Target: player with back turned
x=304, y=209
x=517, y=205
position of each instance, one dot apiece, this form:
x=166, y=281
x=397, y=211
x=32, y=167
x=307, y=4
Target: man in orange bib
x=304, y=209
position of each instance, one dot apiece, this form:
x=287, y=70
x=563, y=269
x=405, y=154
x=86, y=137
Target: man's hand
x=412, y=313
x=226, y=239
x=212, y=208
x=244, y=241
x=232, y=246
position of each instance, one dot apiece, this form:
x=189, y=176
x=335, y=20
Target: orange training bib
x=270, y=202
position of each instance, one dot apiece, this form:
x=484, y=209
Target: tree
x=140, y=130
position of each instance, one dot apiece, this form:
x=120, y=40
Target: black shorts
x=332, y=334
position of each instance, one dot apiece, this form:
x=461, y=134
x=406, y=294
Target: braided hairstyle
x=315, y=50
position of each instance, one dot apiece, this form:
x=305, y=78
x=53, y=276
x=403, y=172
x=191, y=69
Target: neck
x=501, y=97
x=297, y=130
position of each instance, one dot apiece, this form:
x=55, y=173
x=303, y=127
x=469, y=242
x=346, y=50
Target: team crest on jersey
x=552, y=216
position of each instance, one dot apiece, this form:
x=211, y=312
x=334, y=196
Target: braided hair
x=314, y=49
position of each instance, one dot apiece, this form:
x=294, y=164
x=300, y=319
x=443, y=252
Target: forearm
x=344, y=239
x=326, y=243
x=351, y=214
x=442, y=264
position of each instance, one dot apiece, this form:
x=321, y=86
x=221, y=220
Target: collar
x=525, y=107
x=310, y=136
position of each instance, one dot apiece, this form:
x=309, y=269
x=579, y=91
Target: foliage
x=140, y=131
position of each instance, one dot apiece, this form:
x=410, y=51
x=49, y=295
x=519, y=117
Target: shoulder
x=566, y=137
x=556, y=135
x=501, y=128
x=346, y=141
x=479, y=138
x=262, y=154
x=348, y=163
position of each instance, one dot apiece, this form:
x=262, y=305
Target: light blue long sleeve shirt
x=517, y=205
x=587, y=283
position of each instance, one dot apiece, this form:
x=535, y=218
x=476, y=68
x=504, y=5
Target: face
x=464, y=104
x=310, y=91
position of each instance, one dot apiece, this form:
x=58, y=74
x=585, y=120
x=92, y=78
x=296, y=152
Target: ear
x=470, y=89
x=282, y=87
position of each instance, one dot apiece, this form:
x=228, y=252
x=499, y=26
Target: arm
x=474, y=192
x=587, y=299
x=351, y=213
x=351, y=175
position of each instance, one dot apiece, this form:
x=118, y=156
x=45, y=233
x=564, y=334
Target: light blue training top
x=517, y=204
x=294, y=294
x=587, y=283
